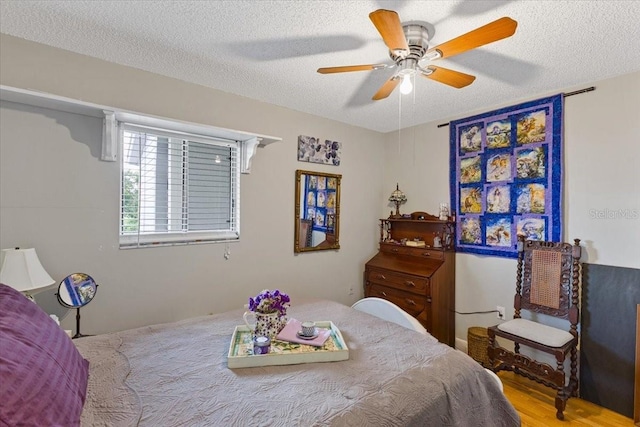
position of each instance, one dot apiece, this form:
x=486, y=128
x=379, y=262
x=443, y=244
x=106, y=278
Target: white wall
x=57, y=196
x=601, y=178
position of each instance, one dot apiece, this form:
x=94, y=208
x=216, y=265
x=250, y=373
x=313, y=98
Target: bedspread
x=176, y=375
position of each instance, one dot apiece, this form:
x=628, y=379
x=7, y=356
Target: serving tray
x=285, y=353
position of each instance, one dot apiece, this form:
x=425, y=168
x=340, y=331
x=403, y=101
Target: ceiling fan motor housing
x=418, y=40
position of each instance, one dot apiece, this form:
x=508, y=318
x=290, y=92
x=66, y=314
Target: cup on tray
x=308, y=329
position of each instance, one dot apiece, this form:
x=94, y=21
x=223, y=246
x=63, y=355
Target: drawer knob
x=383, y=293
x=429, y=299
x=426, y=254
x=410, y=284
x=410, y=301
x=394, y=250
x=382, y=276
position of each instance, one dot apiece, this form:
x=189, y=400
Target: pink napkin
x=290, y=331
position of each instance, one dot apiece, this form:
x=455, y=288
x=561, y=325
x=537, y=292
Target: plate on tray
x=310, y=337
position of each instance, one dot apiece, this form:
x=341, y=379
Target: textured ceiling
x=270, y=50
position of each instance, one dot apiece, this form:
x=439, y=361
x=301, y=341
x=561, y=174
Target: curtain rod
x=564, y=95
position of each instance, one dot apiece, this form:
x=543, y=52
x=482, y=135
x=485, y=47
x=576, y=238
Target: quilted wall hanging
x=506, y=177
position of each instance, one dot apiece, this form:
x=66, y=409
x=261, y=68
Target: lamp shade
x=397, y=196
x=21, y=269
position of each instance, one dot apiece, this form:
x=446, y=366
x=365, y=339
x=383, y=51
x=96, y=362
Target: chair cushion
x=543, y=334
x=43, y=376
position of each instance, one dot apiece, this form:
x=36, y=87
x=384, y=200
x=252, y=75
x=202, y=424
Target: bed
x=177, y=375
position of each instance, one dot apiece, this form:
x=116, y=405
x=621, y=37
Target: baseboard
x=462, y=345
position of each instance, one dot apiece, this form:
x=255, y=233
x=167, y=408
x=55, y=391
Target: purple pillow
x=43, y=377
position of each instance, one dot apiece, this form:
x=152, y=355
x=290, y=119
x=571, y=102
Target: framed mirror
x=317, y=211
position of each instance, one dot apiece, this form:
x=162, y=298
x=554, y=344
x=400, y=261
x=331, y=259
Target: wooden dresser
x=421, y=280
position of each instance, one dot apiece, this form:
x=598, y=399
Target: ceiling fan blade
x=449, y=77
x=386, y=88
x=494, y=31
x=388, y=24
x=347, y=68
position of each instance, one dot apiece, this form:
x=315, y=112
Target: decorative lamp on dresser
x=415, y=269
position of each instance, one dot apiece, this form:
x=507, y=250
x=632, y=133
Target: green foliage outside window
x=130, y=201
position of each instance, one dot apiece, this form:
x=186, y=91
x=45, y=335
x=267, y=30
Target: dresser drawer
x=408, y=250
x=411, y=303
x=405, y=282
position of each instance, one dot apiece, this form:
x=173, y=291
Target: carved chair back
x=548, y=279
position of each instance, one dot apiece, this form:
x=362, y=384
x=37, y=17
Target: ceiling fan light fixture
x=407, y=70
x=406, y=86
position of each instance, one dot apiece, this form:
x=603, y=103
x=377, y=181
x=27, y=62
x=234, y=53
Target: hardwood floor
x=535, y=403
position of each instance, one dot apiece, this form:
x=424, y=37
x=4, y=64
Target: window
x=177, y=188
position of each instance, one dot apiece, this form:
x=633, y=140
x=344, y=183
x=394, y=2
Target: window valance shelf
x=111, y=116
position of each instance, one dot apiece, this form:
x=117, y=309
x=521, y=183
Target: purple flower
x=269, y=302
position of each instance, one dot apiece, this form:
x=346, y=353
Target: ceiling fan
x=409, y=45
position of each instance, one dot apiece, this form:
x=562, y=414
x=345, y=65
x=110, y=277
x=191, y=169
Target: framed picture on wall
x=315, y=150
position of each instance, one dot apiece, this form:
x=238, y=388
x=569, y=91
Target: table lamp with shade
x=21, y=269
x=397, y=198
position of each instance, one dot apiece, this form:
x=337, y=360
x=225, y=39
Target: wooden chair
x=304, y=236
x=548, y=280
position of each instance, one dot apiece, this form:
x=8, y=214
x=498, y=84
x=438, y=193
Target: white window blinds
x=177, y=188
